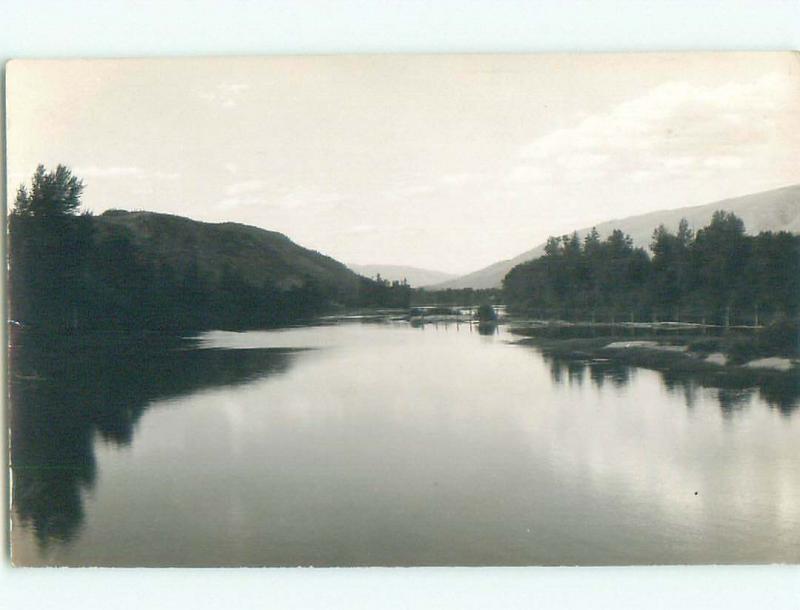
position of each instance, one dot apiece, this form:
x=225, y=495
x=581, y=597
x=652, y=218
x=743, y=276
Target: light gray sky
x=442, y=162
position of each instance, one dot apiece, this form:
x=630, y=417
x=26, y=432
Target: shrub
x=743, y=350
x=781, y=338
x=706, y=345
x=486, y=313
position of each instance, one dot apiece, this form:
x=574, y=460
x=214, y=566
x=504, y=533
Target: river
x=355, y=443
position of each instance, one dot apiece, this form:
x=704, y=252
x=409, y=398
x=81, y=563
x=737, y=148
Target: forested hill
x=258, y=256
x=775, y=210
x=143, y=270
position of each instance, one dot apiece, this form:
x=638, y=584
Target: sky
x=446, y=162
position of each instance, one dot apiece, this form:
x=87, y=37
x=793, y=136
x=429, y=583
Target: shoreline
x=656, y=354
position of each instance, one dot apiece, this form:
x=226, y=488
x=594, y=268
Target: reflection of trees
x=487, y=328
x=618, y=374
x=732, y=399
x=735, y=386
x=782, y=392
x=573, y=371
x=65, y=391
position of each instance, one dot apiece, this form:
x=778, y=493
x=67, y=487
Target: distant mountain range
x=415, y=276
x=775, y=210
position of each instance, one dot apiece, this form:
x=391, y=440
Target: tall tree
x=718, y=255
x=52, y=194
x=48, y=250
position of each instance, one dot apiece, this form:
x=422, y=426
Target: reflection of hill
x=65, y=391
x=734, y=389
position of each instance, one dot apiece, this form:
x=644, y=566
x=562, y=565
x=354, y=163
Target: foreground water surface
x=381, y=444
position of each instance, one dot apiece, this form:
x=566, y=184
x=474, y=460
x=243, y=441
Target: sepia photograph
x=404, y=310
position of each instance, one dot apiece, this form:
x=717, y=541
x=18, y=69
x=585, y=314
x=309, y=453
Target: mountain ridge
x=416, y=276
x=772, y=210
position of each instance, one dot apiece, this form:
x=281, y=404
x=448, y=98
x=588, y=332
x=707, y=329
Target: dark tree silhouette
x=72, y=271
x=720, y=274
x=51, y=194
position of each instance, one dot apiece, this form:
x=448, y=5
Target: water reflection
x=734, y=389
x=388, y=445
x=65, y=392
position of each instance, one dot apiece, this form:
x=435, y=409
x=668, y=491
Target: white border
x=117, y=28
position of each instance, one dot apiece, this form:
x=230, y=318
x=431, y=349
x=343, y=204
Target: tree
x=718, y=255
x=52, y=194
x=49, y=246
x=670, y=267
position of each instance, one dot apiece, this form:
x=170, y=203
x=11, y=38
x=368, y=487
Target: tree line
x=64, y=273
x=718, y=275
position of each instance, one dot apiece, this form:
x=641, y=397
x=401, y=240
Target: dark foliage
x=148, y=271
x=486, y=313
x=381, y=292
x=718, y=275
x=455, y=296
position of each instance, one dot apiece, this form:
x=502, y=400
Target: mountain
x=775, y=210
x=415, y=276
x=258, y=256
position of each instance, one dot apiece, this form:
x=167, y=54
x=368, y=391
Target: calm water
x=382, y=444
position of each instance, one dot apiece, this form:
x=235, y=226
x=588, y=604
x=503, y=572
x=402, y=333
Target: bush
x=741, y=351
x=781, y=338
x=486, y=313
x=706, y=345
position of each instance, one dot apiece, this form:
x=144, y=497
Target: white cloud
x=359, y=229
x=724, y=161
x=252, y=193
x=94, y=171
x=459, y=179
x=117, y=171
x=310, y=198
x=674, y=129
x=247, y=186
x=234, y=202
x=528, y=174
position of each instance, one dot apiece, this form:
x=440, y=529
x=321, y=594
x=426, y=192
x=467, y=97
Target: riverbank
x=718, y=362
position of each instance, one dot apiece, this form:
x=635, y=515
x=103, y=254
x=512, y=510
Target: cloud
x=94, y=171
x=724, y=161
x=229, y=203
x=311, y=199
x=674, y=129
x=459, y=179
x=117, y=171
x=359, y=229
x=248, y=186
x=251, y=193
x=528, y=174
x=166, y=175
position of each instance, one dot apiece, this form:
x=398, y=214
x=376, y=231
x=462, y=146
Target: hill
x=149, y=271
x=415, y=276
x=258, y=256
x=775, y=210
